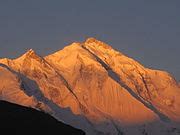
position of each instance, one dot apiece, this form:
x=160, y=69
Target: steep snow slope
x=107, y=92
x=93, y=86
x=157, y=88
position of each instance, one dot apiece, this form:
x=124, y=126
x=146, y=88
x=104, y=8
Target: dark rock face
x=17, y=119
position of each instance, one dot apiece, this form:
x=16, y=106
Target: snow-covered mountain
x=95, y=88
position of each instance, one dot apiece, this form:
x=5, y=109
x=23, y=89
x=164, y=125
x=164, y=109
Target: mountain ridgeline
x=95, y=88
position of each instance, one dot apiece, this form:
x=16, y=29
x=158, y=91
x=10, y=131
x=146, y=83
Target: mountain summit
x=95, y=88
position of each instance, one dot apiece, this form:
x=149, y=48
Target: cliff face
x=106, y=91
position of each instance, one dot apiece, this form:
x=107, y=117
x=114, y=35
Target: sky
x=148, y=31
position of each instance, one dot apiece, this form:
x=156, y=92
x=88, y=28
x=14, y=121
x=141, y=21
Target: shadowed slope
x=22, y=120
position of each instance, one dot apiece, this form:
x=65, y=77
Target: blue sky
x=148, y=31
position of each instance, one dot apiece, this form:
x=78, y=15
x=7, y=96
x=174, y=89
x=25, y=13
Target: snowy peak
x=97, y=43
x=27, y=56
x=28, y=63
x=78, y=48
x=29, y=60
x=68, y=50
x=101, y=49
x=69, y=56
x=30, y=54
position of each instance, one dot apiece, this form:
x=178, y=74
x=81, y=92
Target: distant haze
x=147, y=31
